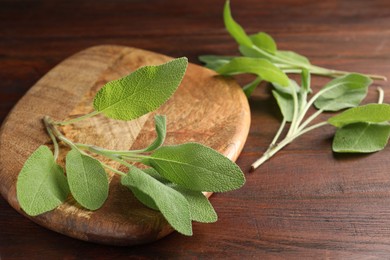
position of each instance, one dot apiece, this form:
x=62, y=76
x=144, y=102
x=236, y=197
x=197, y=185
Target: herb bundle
x=360, y=129
x=173, y=182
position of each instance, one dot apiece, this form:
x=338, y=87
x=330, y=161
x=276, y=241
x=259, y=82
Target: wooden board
x=206, y=108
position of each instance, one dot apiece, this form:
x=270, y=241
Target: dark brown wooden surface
x=304, y=203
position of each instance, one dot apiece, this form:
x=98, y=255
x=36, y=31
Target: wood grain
x=305, y=203
x=206, y=108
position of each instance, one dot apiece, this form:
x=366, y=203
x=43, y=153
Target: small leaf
x=250, y=87
x=371, y=113
x=200, y=207
x=264, y=41
x=285, y=103
x=196, y=167
x=305, y=77
x=290, y=89
x=260, y=67
x=41, y=185
x=141, y=92
x=171, y=203
x=88, y=181
x=252, y=53
x=361, y=138
x=343, y=92
x=214, y=62
x=161, y=130
x=293, y=57
x=235, y=30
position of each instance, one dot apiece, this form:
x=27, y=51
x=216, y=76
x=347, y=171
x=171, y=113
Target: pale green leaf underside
x=285, y=103
x=361, y=138
x=293, y=57
x=371, y=113
x=172, y=204
x=250, y=87
x=214, y=62
x=235, y=30
x=343, y=92
x=88, y=181
x=200, y=207
x=260, y=67
x=196, y=167
x=41, y=185
x=141, y=92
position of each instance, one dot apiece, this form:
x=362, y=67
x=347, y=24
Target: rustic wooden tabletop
x=306, y=202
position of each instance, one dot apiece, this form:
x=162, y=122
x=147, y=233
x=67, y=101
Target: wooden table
x=305, y=202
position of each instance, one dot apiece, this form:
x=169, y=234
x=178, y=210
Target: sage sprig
x=176, y=176
x=260, y=56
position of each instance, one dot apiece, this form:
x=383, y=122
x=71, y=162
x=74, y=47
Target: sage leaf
x=171, y=203
x=200, y=207
x=196, y=167
x=253, y=53
x=306, y=79
x=88, y=181
x=161, y=130
x=141, y=92
x=260, y=67
x=41, y=185
x=286, y=104
x=343, y=92
x=214, y=62
x=361, y=138
x=292, y=57
x=264, y=41
x=250, y=87
x=235, y=30
x=370, y=113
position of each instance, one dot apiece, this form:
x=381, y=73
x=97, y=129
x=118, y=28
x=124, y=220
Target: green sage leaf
x=292, y=57
x=88, y=181
x=264, y=41
x=286, y=104
x=260, y=67
x=141, y=92
x=196, y=167
x=235, y=30
x=171, y=203
x=250, y=87
x=214, y=62
x=343, y=92
x=200, y=207
x=161, y=130
x=41, y=185
x=361, y=138
x=371, y=113
x=306, y=79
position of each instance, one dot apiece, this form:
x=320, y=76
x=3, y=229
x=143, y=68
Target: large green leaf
x=286, y=104
x=41, y=185
x=196, y=167
x=371, y=113
x=343, y=92
x=88, y=181
x=260, y=67
x=141, y=92
x=171, y=203
x=235, y=30
x=361, y=138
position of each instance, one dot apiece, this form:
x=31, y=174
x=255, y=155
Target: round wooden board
x=206, y=108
